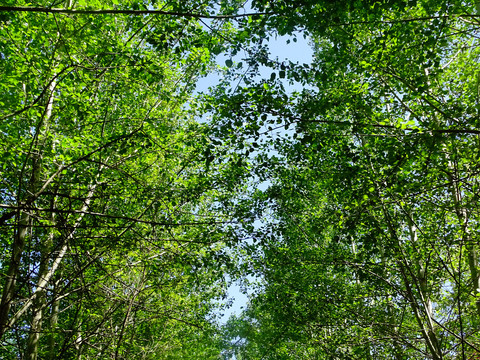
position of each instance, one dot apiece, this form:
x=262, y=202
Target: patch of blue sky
x=294, y=49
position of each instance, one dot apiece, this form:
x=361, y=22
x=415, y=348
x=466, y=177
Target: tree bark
x=17, y=249
x=467, y=240
x=39, y=302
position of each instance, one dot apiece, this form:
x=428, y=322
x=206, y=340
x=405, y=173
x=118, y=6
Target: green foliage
x=368, y=248
x=112, y=212
x=123, y=216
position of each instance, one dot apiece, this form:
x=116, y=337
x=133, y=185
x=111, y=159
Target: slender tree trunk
x=9, y=289
x=31, y=352
x=56, y=262
x=418, y=276
x=467, y=240
x=17, y=250
x=51, y=354
x=39, y=301
x=427, y=330
x=421, y=279
x=38, y=305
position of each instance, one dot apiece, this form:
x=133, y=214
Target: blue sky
x=299, y=51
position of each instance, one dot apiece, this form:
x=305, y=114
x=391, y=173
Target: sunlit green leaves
x=102, y=150
x=372, y=187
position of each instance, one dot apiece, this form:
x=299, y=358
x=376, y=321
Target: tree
x=371, y=251
x=113, y=230
x=121, y=213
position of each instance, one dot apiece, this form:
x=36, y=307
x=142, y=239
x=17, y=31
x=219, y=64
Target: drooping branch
x=210, y=16
x=125, y=12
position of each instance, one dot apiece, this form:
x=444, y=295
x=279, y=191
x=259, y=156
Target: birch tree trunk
x=24, y=216
x=40, y=300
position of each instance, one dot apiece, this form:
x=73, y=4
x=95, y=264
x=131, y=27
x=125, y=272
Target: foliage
x=123, y=215
x=368, y=248
x=113, y=227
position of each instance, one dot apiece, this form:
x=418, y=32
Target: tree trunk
x=467, y=241
x=39, y=302
x=17, y=249
x=51, y=354
x=421, y=281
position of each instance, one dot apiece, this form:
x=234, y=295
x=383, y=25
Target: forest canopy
x=342, y=193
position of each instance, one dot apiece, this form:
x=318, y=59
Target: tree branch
x=125, y=12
